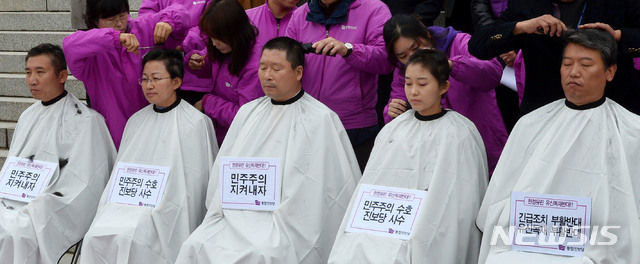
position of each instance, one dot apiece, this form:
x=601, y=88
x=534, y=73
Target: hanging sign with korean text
x=250, y=183
x=138, y=184
x=23, y=179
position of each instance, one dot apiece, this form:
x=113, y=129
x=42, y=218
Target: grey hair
x=596, y=39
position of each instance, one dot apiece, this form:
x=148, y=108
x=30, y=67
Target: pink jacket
x=268, y=26
x=348, y=86
x=471, y=93
x=110, y=73
x=229, y=91
x=195, y=8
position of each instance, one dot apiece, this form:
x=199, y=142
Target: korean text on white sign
x=22, y=179
x=250, y=183
x=385, y=211
x=138, y=184
x=548, y=223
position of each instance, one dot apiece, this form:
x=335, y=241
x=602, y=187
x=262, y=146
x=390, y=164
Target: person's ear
x=444, y=88
x=299, y=71
x=176, y=82
x=611, y=72
x=62, y=76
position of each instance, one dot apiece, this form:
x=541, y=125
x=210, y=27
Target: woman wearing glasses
x=169, y=133
x=107, y=57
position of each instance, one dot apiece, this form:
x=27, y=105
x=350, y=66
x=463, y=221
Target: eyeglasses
x=112, y=21
x=147, y=81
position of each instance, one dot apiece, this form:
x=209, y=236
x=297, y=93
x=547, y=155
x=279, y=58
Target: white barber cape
x=68, y=133
x=443, y=154
x=319, y=175
x=179, y=137
x=594, y=152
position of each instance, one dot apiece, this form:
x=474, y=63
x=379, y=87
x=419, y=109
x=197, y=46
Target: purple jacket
x=348, y=86
x=110, y=73
x=471, y=93
x=195, y=8
x=229, y=91
x=268, y=26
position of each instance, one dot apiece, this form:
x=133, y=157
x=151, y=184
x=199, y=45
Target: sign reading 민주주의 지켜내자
x=549, y=223
x=386, y=211
x=250, y=183
x=138, y=184
x=22, y=179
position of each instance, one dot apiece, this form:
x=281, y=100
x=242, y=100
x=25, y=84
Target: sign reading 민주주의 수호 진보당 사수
x=138, y=184
x=549, y=223
x=250, y=183
x=22, y=179
x=386, y=211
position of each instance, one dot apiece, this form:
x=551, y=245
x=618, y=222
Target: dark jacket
x=427, y=10
x=543, y=54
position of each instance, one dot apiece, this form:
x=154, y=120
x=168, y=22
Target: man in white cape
x=586, y=145
x=176, y=136
x=60, y=129
x=442, y=154
x=319, y=173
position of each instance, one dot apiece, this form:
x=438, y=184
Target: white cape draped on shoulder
x=560, y=150
x=446, y=157
x=319, y=175
x=182, y=139
x=64, y=132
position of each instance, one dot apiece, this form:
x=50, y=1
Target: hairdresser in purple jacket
x=107, y=58
x=351, y=32
x=271, y=19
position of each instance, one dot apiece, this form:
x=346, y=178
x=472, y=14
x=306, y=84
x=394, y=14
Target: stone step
x=38, y=21
x=41, y=21
x=12, y=107
x=47, y=5
x=12, y=61
x=25, y=40
x=6, y=133
x=15, y=85
x=3, y=155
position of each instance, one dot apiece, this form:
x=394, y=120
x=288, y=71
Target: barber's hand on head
x=542, y=25
x=196, y=62
x=130, y=42
x=330, y=46
x=617, y=34
x=198, y=105
x=508, y=58
x=161, y=32
x=396, y=107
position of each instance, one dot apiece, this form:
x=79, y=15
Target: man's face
x=279, y=81
x=42, y=79
x=583, y=74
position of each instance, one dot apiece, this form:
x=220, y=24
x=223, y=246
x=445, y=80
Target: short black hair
x=171, y=58
x=53, y=51
x=433, y=60
x=596, y=39
x=97, y=9
x=407, y=26
x=291, y=47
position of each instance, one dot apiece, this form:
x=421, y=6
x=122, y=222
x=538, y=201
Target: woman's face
x=422, y=90
x=224, y=48
x=157, y=85
x=404, y=47
x=117, y=22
